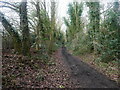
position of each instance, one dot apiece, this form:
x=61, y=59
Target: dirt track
x=84, y=75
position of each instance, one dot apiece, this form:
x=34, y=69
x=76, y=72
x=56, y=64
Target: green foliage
x=93, y=27
x=100, y=38
x=74, y=24
x=77, y=40
x=109, y=36
x=48, y=36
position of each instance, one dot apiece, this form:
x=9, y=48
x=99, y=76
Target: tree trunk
x=12, y=32
x=52, y=40
x=94, y=23
x=24, y=28
x=38, y=26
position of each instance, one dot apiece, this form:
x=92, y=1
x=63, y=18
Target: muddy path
x=85, y=76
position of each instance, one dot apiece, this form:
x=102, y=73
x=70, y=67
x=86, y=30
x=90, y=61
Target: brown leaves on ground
x=19, y=71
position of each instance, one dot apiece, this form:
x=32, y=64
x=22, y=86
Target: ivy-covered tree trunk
x=24, y=28
x=14, y=34
x=117, y=22
x=52, y=32
x=38, y=28
x=94, y=16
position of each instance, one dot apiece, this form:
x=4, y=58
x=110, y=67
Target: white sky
x=63, y=4
x=62, y=7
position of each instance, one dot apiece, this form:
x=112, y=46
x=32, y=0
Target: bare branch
x=107, y=9
x=10, y=8
x=9, y=4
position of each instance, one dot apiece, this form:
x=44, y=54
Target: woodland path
x=83, y=75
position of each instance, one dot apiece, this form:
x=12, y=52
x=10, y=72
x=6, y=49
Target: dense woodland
x=36, y=34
